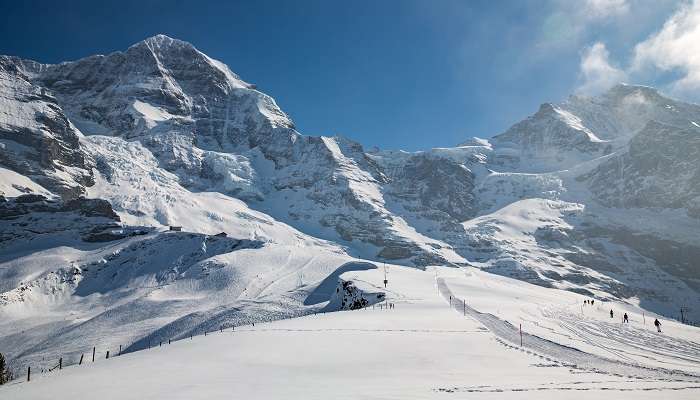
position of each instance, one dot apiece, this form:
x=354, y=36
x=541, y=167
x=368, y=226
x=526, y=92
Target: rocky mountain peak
x=546, y=109
x=624, y=110
x=162, y=41
x=178, y=139
x=622, y=90
x=176, y=55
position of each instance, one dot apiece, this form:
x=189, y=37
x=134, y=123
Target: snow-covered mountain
x=598, y=195
x=38, y=140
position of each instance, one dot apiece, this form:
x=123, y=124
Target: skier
x=658, y=325
x=625, y=319
x=611, y=313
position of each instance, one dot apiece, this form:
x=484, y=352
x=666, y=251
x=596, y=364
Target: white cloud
x=675, y=48
x=669, y=58
x=597, y=73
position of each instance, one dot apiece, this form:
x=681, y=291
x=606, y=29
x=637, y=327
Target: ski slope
x=420, y=349
x=556, y=323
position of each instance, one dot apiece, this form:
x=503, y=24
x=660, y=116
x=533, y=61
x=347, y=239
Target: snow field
x=420, y=349
x=561, y=317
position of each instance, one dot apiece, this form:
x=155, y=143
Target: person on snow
x=625, y=319
x=611, y=313
x=657, y=324
x=592, y=301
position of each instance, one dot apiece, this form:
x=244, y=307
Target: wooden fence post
x=81, y=359
x=29, y=374
x=60, y=363
x=120, y=350
x=107, y=357
x=521, y=335
x=168, y=341
x=93, y=354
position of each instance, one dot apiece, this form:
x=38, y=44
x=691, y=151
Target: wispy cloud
x=596, y=9
x=597, y=73
x=673, y=50
x=569, y=21
x=675, y=47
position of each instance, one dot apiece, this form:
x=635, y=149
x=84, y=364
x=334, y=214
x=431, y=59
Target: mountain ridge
x=170, y=137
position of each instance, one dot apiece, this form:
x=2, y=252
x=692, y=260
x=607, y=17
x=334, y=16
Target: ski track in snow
x=577, y=386
x=649, y=341
x=570, y=357
x=373, y=353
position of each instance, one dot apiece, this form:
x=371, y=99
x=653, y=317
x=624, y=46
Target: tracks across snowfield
x=567, y=356
x=637, y=342
x=419, y=349
x=364, y=330
x=594, y=386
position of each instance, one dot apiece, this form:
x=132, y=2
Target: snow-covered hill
x=99, y=157
x=420, y=348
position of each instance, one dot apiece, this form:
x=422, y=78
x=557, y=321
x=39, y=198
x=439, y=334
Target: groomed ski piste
x=452, y=333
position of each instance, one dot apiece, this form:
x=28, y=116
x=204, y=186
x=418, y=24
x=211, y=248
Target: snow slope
x=556, y=321
x=420, y=349
x=72, y=273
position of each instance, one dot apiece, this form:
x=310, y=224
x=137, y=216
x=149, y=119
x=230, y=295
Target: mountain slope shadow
x=325, y=289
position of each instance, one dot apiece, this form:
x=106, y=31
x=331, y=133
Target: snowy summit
x=165, y=217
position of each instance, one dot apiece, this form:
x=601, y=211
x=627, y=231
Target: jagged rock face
x=581, y=128
x=349, y=296
x=36, y=138
x=624, y=110
x=172, y=97
x=660, y=169
x=190, y=125
x=160, y=71
x=433, y=184
x=553, y=137
x=32, y=216
x=672, y=261
x=217, y=133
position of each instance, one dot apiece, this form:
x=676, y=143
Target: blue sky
x=394, y=74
